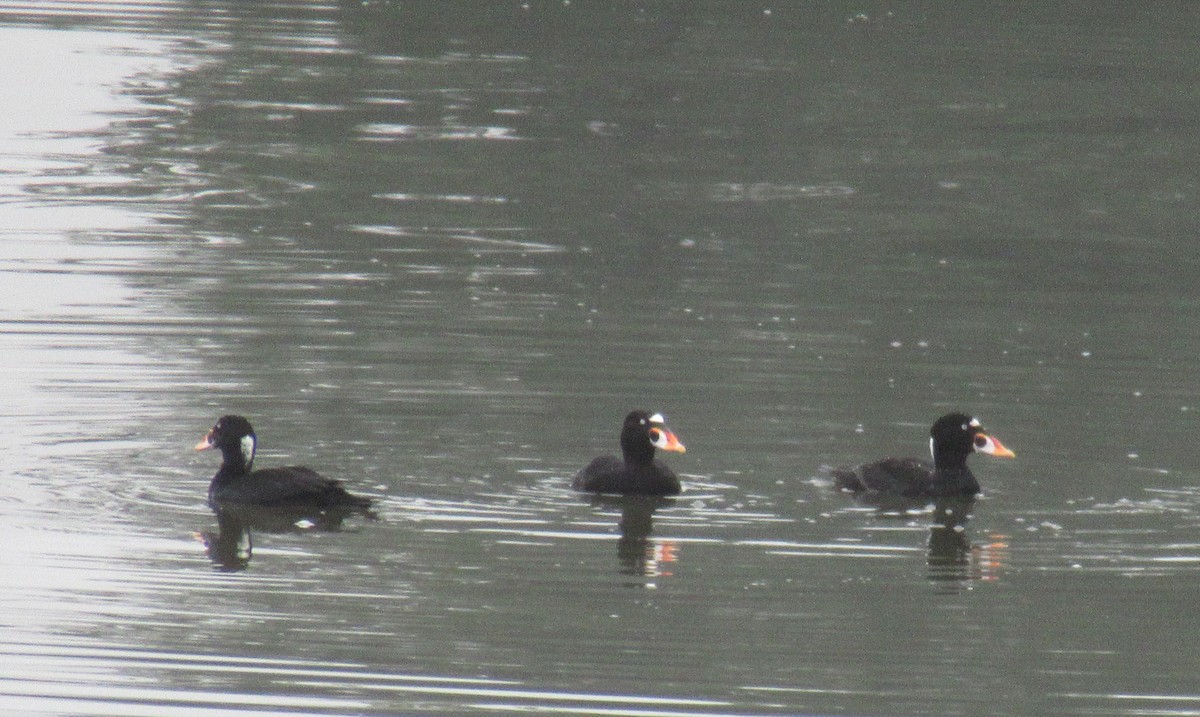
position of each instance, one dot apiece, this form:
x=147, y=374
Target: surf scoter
x=237, y=484
x=952, y=438
x=636, y=472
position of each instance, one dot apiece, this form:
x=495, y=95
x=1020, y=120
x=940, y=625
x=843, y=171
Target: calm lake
x=438, y=250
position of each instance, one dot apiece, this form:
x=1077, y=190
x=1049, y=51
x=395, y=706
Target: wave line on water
x=464, y=235
x=841, y=547
x=279, y=667
x=49, y=689
x=819, y=691
x=1160, y=704
x=1127, y=696
x=817, y=554
x=80, y=707
x=540, y=695
x=449, y=198
x=379, y=131
x=587, y=535
x=593, y=710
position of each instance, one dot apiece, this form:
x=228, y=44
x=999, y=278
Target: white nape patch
x=657, y=418
x=247, y=448
x=931, y=453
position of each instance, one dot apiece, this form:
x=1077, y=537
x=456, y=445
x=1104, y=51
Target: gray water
x=438, y=251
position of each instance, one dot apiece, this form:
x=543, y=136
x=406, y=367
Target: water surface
x=440, y=253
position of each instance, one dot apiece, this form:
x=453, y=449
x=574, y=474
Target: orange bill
x=664, y=439
x=206, y=442
x=992, y=446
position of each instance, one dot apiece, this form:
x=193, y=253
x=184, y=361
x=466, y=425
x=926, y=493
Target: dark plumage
x=952, y=438
x=238, y=484
x=636, y=472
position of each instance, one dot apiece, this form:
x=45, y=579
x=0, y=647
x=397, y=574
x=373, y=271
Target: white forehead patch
x=974, y=423
x=248, y=448
x=657, y=418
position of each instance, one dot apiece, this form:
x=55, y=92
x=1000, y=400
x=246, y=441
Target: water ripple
x=476, y=239
x=382, y=131
x=40, y=677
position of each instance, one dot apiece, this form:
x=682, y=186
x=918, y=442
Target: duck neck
x=950, y=473
x=955, y=482
x=948, y=460
x=233, y=464
x=637, y=454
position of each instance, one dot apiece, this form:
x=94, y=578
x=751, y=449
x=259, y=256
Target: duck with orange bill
x=637, y=471
x=952, y=438
x=238, y=484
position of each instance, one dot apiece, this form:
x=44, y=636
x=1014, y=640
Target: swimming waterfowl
x=952, y=438
x=636, y=472
x=237, y=483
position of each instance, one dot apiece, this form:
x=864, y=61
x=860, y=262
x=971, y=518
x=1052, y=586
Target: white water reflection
x=60, y=287
x=1140, y=705
x=459, y=132
x=475, y=239
x=41, y=678
x=72, y=333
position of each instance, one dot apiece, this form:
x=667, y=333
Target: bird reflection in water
x=952, y=558
x=638, y=554
x=231, y=547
